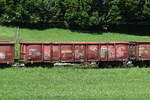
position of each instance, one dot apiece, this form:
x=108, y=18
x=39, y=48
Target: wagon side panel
x=67, y=53
x=144, y=51
x=56, y=57
x=92, y=52
x=80, y=53
x=47, y=54
x=103, y=52
x=33, y=53
x=122, y=52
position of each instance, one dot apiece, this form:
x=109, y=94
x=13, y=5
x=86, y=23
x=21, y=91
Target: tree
x=146, y=11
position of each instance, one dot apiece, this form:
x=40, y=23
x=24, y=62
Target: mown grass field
x=73, y=82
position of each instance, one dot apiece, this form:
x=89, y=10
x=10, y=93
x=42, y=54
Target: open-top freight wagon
x=73, y=51
x=103, y=53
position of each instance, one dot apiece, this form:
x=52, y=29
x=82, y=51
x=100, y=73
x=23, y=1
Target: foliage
x=81, y=14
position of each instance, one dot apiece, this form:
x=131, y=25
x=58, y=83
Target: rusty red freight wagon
x=36, y=52
x=7, y=52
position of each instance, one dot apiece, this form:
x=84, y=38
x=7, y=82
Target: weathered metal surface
x=47, y=52
x=67, y=53
x=103, y=52
x=143, y=51
x=79, y=53
x=116, y=52
x=34, y=52
x=74, y=51
x=122, y=52
x=132, y=51
x=7, y=52
x=92, y=52
x=56, y=53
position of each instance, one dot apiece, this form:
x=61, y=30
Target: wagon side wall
x=32, y=52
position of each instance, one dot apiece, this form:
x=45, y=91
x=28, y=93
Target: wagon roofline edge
x=46, y=42
x=7, y=42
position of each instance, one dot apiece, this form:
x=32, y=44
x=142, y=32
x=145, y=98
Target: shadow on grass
x=131, y=29
x=139, y=30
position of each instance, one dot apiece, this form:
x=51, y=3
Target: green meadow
x=72, y=82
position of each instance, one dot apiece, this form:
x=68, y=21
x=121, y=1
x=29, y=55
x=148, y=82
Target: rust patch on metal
x=66, y=53
x=92, y=53
x=47, y=52
x=55, y=53
x=34, y=53
x=144, y=51
x=79, y=51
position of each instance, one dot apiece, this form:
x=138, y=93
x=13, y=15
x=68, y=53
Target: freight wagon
x=103, y=53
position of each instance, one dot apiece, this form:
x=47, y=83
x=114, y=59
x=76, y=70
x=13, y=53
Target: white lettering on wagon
x=2, y=55
x=66, y=51
x=103, y=52
x=79, y=55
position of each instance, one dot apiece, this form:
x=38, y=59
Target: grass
x=70, y=83
x=67, y=35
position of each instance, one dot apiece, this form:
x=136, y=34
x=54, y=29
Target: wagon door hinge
x=132, y=50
